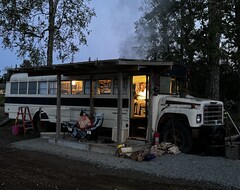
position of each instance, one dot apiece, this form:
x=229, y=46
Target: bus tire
x=178, y=134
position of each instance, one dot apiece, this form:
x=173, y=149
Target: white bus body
x=71, y=105
x=187, y=115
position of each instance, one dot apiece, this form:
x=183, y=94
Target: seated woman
x=141, y=98
x=83, y=121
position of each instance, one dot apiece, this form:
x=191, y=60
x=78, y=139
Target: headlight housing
x=199, y=118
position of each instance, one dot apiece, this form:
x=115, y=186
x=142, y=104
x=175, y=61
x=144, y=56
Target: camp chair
x=93, y=131
x=90, y=133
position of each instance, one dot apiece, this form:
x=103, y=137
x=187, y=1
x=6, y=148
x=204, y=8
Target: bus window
x=174, y=86
x=14, y=88
x=166, y=85
x=42, y=87
x=125, y=86
x=104, y=87
x=23, y=88
x=77, y=87
x=53, y=87
x=115, y=86
x=65, y=87
x=87, y=87
x=170, y=85
x=32, y=87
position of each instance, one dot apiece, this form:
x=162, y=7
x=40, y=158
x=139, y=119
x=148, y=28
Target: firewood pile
x=164, y=148
x=148, y=153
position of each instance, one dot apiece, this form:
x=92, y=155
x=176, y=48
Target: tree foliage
x=163, y=30
x=202, y=34
x=40, y=28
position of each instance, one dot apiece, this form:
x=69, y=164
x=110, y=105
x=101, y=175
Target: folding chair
x=93, y=131
x=90, y=133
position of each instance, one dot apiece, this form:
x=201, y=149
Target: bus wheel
x=179, y=135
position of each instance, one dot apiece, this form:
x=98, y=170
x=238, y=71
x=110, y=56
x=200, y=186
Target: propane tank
x=156, y=138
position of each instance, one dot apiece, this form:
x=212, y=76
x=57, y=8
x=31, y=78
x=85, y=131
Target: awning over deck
x=95, y=67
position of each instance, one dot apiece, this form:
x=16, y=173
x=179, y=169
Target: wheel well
x=177, y=118
x=175, y=128
x=40, y=126
x=36, y=116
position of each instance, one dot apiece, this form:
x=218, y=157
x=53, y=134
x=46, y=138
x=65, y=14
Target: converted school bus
x=111, y=87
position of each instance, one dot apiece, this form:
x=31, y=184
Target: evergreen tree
x=188, y=32
x=231, y=48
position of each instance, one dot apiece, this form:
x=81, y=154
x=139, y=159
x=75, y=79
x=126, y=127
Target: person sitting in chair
x=83, y=121
x=141, y=98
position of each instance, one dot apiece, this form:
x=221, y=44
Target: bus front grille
x=213, y=114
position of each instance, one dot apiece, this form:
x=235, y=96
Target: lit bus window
x=42, y=87
x=14, y=88
x=77, y=87
x=23, y=88
x=53, y=87
x=104, y=87
x=32, y=87
x=65, y=87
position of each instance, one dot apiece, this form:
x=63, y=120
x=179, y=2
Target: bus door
x=139, y=100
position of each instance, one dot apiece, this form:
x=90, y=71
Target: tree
x=231, y=47
x=165, y=30
x=186, y=32
x=237, y=39
x=157, y=30
x=40, y=28
x=215, y=16
x=5, y=76
x=27, y=64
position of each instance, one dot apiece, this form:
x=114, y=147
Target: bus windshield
x=171, y=85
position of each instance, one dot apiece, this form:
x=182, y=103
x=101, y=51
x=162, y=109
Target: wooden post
x=91, y=97
x=58, y=123
x=149, y=127
x=119, y=113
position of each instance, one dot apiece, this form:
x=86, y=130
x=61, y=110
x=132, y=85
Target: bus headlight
x=199, y=118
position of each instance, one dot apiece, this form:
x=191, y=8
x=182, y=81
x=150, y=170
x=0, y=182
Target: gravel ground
x=200, y=169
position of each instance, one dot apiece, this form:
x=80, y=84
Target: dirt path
x=34, y=170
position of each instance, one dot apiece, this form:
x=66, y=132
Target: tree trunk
x=237, y=22
x=213, y=49
x=51, y=31
x=214, y=82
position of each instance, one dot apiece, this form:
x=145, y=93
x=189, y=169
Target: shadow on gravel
x=7, y=137
x=209, y=150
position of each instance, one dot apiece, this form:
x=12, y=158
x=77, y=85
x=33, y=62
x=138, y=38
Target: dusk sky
x=111, y=31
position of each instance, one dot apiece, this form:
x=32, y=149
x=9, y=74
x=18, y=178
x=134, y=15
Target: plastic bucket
x=15, y=130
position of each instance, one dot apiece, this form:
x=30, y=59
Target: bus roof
x=95, y=67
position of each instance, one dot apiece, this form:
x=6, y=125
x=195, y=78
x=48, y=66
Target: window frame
x=14, y=90
x=23, y=87
x=30, y=89
x=42, y=90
